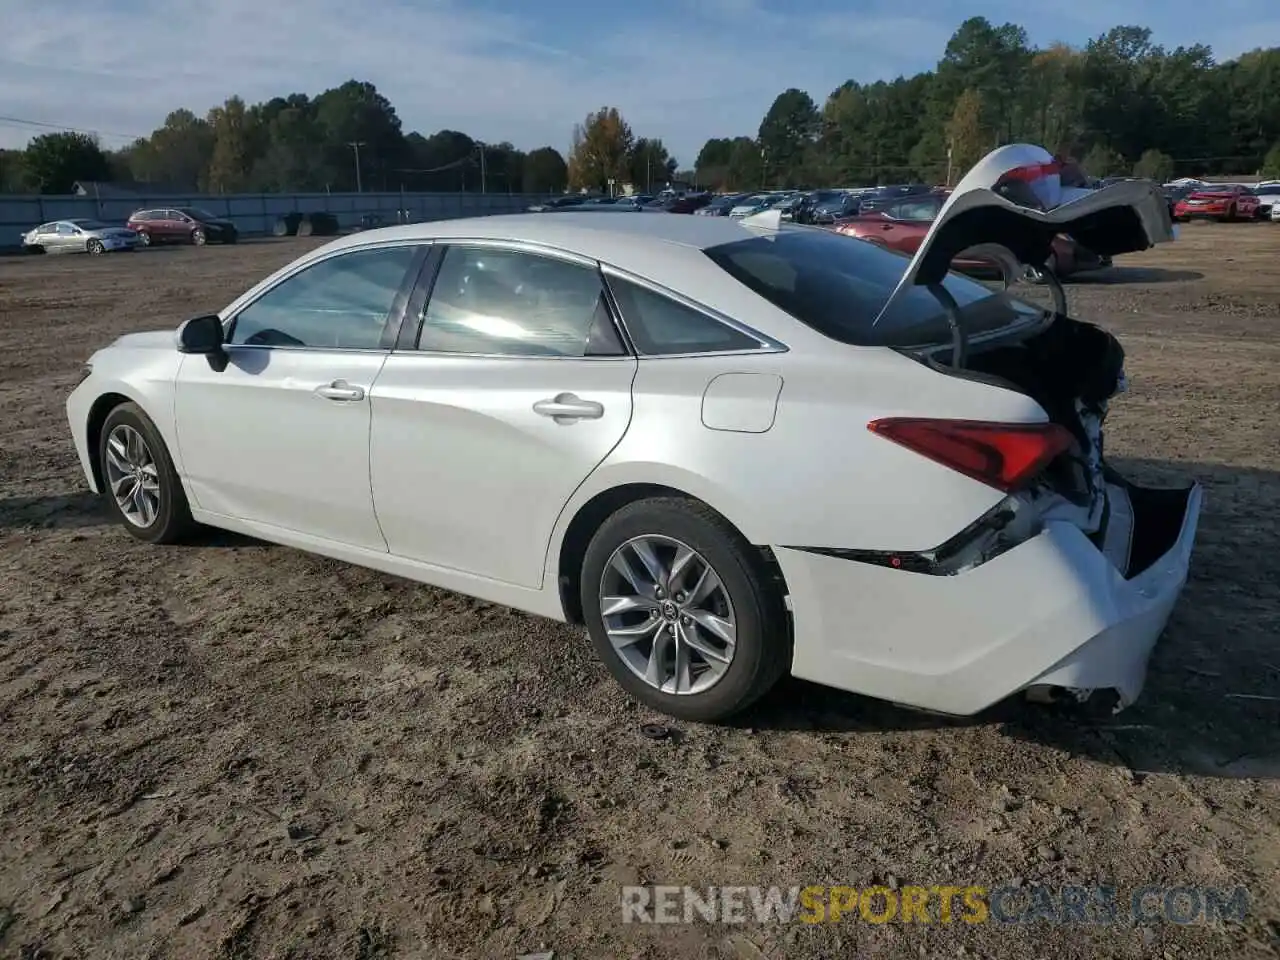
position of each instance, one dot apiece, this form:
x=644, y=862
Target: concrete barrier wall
x=256, y=213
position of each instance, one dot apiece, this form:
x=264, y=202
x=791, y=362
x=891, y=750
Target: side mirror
x=203, y=335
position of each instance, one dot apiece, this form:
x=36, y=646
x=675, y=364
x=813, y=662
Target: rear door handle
x=340, y=391
x=566, y=407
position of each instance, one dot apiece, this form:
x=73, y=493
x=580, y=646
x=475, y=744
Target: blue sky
x=682, y=70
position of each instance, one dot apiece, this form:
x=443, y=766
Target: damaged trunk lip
x=1093, y=217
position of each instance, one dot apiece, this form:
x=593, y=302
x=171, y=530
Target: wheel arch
x=591, y=514
x=98, y=413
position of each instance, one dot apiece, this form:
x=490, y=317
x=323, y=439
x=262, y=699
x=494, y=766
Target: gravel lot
x=236, y=750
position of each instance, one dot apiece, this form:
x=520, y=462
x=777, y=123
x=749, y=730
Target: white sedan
x=733, y=449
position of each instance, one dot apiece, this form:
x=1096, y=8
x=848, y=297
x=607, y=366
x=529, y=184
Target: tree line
x=1121, y=105
x=345, y=137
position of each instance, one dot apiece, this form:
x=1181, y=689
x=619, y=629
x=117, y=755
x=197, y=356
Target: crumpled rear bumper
x=1052, y=613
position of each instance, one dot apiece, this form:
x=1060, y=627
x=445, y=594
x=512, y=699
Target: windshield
x=838, y=285
x=195, y=213
x=90, y=224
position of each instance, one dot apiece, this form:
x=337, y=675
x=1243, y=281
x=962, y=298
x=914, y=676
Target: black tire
x=95, y=247
x=144, y=238
x=198, y=237
x=762, y=653
x=172, y=522
x=305, y=227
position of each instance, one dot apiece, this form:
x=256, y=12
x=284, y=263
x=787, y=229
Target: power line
x=67, y=128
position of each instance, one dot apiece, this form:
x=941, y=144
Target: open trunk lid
x=1014, y=198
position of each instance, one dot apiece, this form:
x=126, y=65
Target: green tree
x=12, y=172
x=545, y=171
x=787, y=132
x=746, y=165
x=1102, y=161
x=177, y=154
x=967, y=136
x=650, y=164
x=53, y=162
x=360, y=126
x=1271, y=163
x=235, y=142
x=711, y=168
x=601, y=151
x=288, y=158
x=1154, y=165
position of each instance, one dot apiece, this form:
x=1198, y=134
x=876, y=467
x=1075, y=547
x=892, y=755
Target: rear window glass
x=838, y=285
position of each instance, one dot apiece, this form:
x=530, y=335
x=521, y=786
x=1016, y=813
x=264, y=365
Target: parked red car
x=902, y=226
x=1227, y=202
x=181, y=225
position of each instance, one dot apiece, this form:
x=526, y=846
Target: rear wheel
x=95, y=247
x=682, y=610
x=144, y=238
x=141, y=485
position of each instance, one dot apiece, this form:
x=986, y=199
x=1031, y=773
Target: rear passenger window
x=340, y=303
x=516, y=304
x=661, y=326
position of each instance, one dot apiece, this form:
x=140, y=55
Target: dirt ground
x=234, y=750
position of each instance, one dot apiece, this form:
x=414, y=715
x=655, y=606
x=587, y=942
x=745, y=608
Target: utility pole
x=356, y=145
x=648, y=170
x=484, y=181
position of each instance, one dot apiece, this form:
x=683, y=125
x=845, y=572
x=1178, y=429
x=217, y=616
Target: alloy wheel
x=132, y=475
x=668, y=615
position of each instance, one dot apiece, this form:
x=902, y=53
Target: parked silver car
x=81, y=236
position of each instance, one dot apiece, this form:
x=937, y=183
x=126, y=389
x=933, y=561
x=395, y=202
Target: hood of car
x=1014, y=198
x=148, y=340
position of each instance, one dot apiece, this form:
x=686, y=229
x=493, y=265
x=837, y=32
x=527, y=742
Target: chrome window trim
x=230, y=319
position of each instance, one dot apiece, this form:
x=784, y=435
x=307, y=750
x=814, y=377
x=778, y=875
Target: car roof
x=612, y=237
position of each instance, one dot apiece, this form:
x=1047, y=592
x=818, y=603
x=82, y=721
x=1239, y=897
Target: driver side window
x=337, y=304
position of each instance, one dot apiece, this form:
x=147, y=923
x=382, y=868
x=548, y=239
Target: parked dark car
x=555, y=203
x=181, y=225
x=881, y=197
x=688, y=203
x=824, y=206
x=721, y=205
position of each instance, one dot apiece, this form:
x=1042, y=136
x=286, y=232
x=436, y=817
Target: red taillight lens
x=1002, y=455
x=1030, y=173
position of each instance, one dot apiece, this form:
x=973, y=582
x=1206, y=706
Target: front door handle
x=566, y=408
x=341, y=391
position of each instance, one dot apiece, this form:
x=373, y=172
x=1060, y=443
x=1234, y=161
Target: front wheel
x=682, y=610
x=144, y=238
x=95, y=247
x=142, y=486
x=198, y=237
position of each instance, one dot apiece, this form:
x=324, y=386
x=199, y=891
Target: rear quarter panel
x=817, y=477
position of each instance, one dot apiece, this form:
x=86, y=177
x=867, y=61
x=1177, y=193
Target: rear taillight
x=1002, y=455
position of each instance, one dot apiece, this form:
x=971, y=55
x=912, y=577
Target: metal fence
x=256, y=213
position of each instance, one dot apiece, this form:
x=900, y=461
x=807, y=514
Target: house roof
x=127, y=188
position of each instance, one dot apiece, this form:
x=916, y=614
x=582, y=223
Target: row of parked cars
x=1224, y=202
x=143, y=229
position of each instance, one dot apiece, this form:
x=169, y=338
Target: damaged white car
x=732, y=448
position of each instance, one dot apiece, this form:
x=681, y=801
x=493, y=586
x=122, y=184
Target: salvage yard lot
x=235, y=750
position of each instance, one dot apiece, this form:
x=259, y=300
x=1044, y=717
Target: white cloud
x=119, y=68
